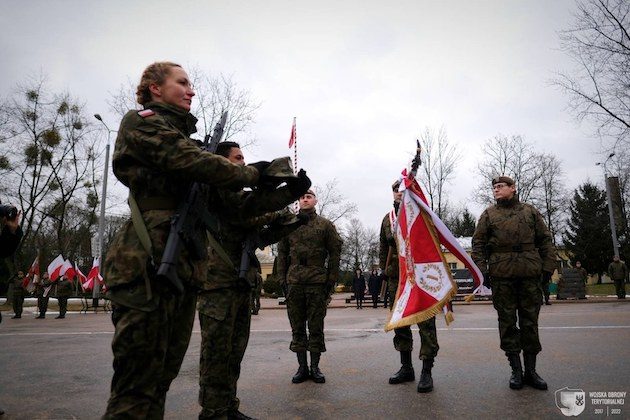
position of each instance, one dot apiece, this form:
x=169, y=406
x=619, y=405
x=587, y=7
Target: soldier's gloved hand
x=487, y=281
x=546, y=277
x=260, y=167
x=298, y=186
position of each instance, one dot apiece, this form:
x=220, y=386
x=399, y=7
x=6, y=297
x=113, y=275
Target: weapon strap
x=219, y=250
x=143, y=235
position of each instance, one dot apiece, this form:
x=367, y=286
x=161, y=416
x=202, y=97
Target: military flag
x=425, y=283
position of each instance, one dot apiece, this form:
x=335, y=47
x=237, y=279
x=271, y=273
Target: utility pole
x=101, y=222
x=613, y=227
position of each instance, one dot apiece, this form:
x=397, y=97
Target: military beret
x=395, y=185
x=502, y=178
x=311, y=192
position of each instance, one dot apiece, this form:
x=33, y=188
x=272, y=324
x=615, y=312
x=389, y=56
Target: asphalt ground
x=61, y=368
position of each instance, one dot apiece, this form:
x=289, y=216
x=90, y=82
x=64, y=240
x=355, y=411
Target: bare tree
x=599, y=88
x=510, y=156
x=213, y=95
x=333, y=205
x=48, y=147
x=551, y=197
x=360, y=246
x=439, y=160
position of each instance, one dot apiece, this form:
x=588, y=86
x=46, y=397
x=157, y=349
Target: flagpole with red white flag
x=293, y=144
x=426, y=284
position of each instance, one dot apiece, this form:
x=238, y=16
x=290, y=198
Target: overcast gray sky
x=363, y=78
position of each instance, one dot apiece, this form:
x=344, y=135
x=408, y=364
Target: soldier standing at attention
x=308, y=267
x=224, y=303
x=403, y=339
x=42, y=296
x=18, y=295
x=618, y=272
x=157, y=160
x=512, y=247
x=63, y=292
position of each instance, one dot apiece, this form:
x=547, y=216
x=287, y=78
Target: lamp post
x=613, y=227
x=101, y=222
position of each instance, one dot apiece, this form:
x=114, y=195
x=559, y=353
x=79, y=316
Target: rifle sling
x=219, y=250
x=143, y=235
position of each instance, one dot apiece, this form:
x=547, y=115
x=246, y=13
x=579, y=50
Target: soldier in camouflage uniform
x=42, y=296
x=18, y=295
x=513, y=248
x=403, y=338
x=618, y=272
x=225, y=299
x=157, y=160
x=63, y=290
x=303, y=271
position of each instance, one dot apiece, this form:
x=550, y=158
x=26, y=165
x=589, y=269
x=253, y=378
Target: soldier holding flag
x=403, y=338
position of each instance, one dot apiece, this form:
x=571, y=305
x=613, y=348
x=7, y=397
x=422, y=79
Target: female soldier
x=157, y=160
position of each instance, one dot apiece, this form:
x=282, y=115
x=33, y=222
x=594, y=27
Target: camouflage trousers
x=18, y=302
x=225, y=317
x=306, y=307
x=403, y=338
x=63, y=305
x=517, y=302
x=148, y=347
x=42, y=304
x=620, y=288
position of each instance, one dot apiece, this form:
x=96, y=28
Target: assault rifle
x=190, y=222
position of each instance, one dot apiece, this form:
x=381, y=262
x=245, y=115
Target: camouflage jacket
x=512, y=240
x=235, y=222
x=156, y=159
x=618, y=270
x=311, y=254
x=387, y=241
x=41, y=286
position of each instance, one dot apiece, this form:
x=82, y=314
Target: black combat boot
x=531, y=378
x=302, y=373
x=316, y=374
x=405, y=373
x=516, y=379
x=426, y=381
x=237, y=415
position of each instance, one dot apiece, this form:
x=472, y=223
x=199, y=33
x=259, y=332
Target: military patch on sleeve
x=146, y=113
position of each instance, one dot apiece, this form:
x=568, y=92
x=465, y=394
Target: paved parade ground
x=61, y=369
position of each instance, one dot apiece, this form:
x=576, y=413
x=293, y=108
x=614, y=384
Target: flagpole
x=295, y=157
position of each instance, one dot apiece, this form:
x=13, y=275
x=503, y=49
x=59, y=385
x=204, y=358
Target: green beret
x=502, y=178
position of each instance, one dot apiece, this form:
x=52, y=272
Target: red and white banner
x=425, y=283
x=55, y=268
x=33, y=276
x=448, y=240
x=69, y=270
x=93, y=275
x=293, y=135
x=80, y=276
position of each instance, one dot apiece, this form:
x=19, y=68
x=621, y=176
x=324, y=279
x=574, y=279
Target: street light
x=101, y=222
x=613, y=227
